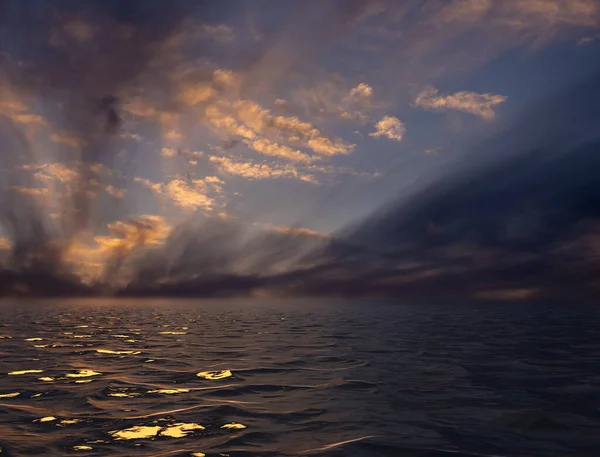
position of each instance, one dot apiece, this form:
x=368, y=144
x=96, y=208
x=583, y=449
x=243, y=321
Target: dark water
x=298, y=378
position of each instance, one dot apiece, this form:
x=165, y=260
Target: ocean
x=99, y=377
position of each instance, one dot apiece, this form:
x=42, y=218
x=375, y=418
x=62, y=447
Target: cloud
x=251, y=170
x=481, y=105
x=389, y=127
x=31, y=119
x=288, y=129
x=68, y=138
x=115, y=192
x=186, y=195
x=5, y=244
x=102, y=258
x=15, y=106
x=550, y=13
x=32, y=191
x=132, y=136
x=296, y=231
x=191, y=156
x=270, y=148
x=506, y=295
x=57, y=171
x=219, y=32
x=330, y=99
x=361, y=95
x=226, y=123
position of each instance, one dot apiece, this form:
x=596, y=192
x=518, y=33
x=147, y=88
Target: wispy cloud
x=68, y=138
x=481, y=105
x=116, y=192
x=187, y=195
x=252, y=170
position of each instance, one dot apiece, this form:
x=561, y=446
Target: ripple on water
x=234, y=425
x=22, y=372
x=10, y=395
x=174, y=430
x=83, y=374
x=168, y=391
x=109, y=351
x=215, y=375
x=290, y=393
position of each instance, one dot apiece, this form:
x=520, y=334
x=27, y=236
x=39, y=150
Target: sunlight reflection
x=213, y=375
x=25, y=372
x=108, y=351
x=234, y=425
x=180, y=429
x=83, y=374
x=11, y=395
x=135, y=432
x=65, y=422
x=175, y=430
x=168, y=391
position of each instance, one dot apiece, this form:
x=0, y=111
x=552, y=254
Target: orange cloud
x=5, y=244
x=389, y=127
x=33, y=191
x=91, y=260
x=469, y=102
x=188, y=196
x=270, y=148
x=67, y=138
x=258, y=171
x=115, y=192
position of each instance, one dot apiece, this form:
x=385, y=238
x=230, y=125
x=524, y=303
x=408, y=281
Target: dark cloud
x=519, y=221
x=81, y=59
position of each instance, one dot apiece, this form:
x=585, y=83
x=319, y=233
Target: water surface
x=266, y=378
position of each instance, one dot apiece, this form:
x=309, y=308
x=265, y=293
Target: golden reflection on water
x=214, y=375
x=135, y=432
x=46, y=419
x=123, y=395
x=83, y=374
x=21, y=372
x=11, y=395
x=109, y=351
x=168, y=391
x=65, y=422
x=181, y=429
x=46, y=379
x=175, y=430
x=33, y=339
x=82, y=448
x=234, y=425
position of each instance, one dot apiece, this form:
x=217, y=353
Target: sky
x=269, y=147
